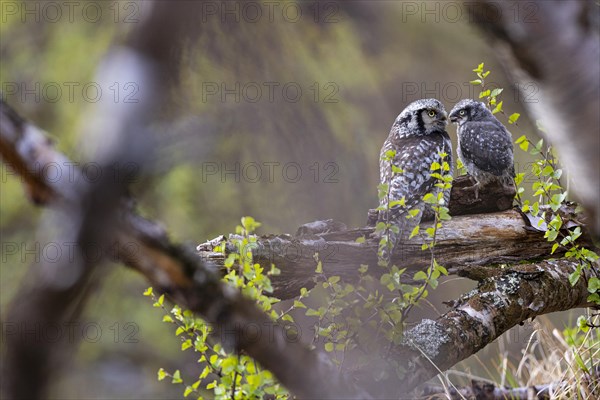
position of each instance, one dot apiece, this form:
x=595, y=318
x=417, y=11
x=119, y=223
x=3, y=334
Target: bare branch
x=481, y=316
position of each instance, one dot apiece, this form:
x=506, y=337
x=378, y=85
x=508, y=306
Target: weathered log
x=494, y=197
x=462, y=243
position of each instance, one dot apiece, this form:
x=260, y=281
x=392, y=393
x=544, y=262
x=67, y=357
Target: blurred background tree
x=279, y=115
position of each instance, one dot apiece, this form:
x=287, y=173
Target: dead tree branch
x=479, y=317
x=463, y=243
x=150, y=59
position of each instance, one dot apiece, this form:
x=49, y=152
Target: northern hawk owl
x=484, y=144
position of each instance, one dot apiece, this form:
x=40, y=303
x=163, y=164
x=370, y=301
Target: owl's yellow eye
x=462, y=112
x=431, y=113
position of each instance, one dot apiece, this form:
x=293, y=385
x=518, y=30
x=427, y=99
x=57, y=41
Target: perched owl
x=417, y=136
x=484, y=144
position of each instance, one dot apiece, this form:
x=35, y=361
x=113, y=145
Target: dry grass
x=554, y=364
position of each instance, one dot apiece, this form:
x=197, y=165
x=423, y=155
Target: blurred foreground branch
x=176, y=271
x=118, y=134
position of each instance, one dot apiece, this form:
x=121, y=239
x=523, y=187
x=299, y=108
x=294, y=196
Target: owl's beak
x=453, y=118
x=443, y=120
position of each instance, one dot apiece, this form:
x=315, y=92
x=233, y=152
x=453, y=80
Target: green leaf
x=177, y=377
x=167, y=318
x=148, y=292
x=360, y=239
x=496, y=92
x=204, y=373
x=498, y=108
x=414, y=232
x=524, y=145
x=582, y=323
x=186, y=345
x=161, y=374
x=397, y=170
x=479, y=68
x=212, y=385
x=433, y=283
x=160, y=301
x=539, y=125
x=230, y=260
x=319, y=269
x=401, y=202
x=519, y=178
x=475, y=82
x=413, y=213
x=229, y=364
x=312, y=313
x=250, y=224
x=554, y=247
x=420, y=276
x=299, y=304
x=593, y=285
x=389, y=154
x=574, y=277
x=513, y=118
x=594, y=298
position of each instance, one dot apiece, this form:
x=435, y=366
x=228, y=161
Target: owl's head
x=469, y=110
x=421, y=117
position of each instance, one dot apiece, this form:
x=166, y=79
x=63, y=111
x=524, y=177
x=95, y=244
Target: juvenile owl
x=484, y=145
x=418, y=136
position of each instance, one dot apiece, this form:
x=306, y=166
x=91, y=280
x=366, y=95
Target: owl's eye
x=431, y=113
x=462, y=112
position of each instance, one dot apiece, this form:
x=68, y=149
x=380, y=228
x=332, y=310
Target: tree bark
x=481, y=316
x=463, y=243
